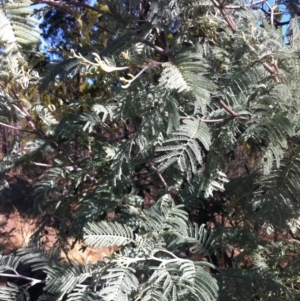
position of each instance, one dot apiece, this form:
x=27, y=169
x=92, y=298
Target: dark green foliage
x=170, y=132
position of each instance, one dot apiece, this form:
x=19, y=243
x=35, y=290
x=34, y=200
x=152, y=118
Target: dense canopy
x=167, y=131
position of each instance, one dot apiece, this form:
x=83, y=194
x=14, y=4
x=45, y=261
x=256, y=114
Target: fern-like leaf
x=186, y=146
x=17, y=32
x=105, y=234
x=120, y=281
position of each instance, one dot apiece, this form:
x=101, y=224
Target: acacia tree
x=169, y=131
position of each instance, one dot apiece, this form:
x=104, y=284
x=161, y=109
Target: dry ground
x=18, y=224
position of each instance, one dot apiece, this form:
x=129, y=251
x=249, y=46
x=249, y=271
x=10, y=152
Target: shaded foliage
x=154, y=116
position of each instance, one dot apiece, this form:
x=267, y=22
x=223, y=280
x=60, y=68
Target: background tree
x=171, y=135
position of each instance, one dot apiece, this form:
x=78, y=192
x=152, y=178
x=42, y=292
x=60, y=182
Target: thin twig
x=9, y=126
x=42, y=164
x=216, y=4
x=29, y=119
x=157, y=48
x=224, y=13
x=219, y=120
x=258, y=2
x=16, y=128
x=161, y=177
x=63, y=7
x=233, y=7
x=247, y=5
x=272, y=71
x=272, y=14
x=233, y=114
x=33, y=280
x=230, y=111
x=133, y=78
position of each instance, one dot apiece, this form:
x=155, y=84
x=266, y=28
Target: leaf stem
x=161, y=177
x=32, y=280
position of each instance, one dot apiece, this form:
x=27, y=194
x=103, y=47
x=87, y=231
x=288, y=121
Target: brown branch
x=161, y=177
x=230, y=111
x=272, y=71
x=224, y=13
x=233, y=116
x=157, y=48
x=229, y=20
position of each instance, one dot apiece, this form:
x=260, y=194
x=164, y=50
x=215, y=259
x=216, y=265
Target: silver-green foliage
x=18, y=32
x=145, y=268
